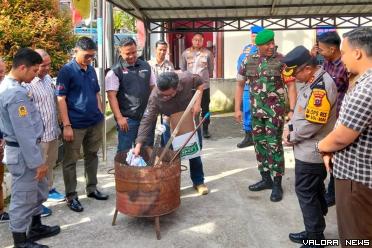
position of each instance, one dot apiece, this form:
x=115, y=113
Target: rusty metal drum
x=147, y=191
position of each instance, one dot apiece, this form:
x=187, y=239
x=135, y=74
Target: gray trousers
x=91, y=139
x=27, y=193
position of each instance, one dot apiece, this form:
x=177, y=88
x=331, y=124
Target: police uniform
x=313, y=118
x=247, y=50
x=22, y=128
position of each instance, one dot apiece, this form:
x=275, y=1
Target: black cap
x=297, y=57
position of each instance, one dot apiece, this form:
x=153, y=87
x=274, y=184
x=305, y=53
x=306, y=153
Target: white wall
x=285, y=40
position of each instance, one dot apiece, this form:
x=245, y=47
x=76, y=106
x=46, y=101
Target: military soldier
x=22, y=127
x=263, y=71
x=314, y=117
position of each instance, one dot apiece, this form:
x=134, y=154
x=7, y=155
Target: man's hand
x=289, y=115
x=41, y=172
x=238, y=116
x=327, y=158
x=123, y=124
x=137, y=149
x=68, y=133
x=285, y=136
x=196, y=110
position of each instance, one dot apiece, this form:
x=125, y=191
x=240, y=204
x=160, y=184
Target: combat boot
x=247, y=141
x=277, y=193
x=20, y=241
x=40, y=231
x=265, y=183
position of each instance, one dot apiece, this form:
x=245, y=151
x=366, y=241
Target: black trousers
x=310, y=192
x=206, y=98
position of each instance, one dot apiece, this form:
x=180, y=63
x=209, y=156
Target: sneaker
x=55, y=196
x=4, y=217
x=46, y=212
x=202, y=189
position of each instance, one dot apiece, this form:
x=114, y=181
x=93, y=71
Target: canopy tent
x=239, y=15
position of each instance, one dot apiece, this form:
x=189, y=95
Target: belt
x=12, y=144
x=15, y=144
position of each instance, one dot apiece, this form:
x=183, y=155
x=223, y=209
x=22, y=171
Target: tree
x=36, y=24
x=124, y=20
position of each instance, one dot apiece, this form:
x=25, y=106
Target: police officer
x=263, y=71
x=246, y=103
x=314, y=117
x=22, y=127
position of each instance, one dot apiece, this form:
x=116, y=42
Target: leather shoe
x=98, y=195
x=298, y=237
x=75, y=205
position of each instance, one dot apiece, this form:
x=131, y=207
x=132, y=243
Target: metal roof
x=196, y=9
x=276, y=14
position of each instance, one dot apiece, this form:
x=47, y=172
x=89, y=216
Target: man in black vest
x=128, y=86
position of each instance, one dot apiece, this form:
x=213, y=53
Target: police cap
x=297, y=57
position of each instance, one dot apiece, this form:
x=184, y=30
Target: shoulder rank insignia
x=318, y=106
x=22, y=111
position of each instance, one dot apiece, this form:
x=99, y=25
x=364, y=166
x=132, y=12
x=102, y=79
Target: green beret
x=264, y=36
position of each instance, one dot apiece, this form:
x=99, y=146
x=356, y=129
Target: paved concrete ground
x=230, y=216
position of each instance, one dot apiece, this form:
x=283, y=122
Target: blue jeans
x=196, y=171
x=247, y=120
x=196, y=164
x=126, y=140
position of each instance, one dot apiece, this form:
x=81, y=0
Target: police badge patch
x=22, y=111
x=318, y=107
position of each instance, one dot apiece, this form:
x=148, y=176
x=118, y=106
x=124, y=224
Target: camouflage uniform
x=267, y=89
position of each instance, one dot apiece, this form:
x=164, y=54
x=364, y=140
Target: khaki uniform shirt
x=198, y=62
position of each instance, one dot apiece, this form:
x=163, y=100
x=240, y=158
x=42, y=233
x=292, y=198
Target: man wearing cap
x=263, y=71
x=247, y=122
x=313, y=118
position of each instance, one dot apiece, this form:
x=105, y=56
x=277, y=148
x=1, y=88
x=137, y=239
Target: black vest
x=134, y=88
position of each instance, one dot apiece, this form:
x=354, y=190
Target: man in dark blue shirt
x=80, y=106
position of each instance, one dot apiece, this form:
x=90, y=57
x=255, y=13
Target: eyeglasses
x=166, y=97
x=89, y=56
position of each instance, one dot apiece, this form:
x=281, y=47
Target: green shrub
x=36, y=24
